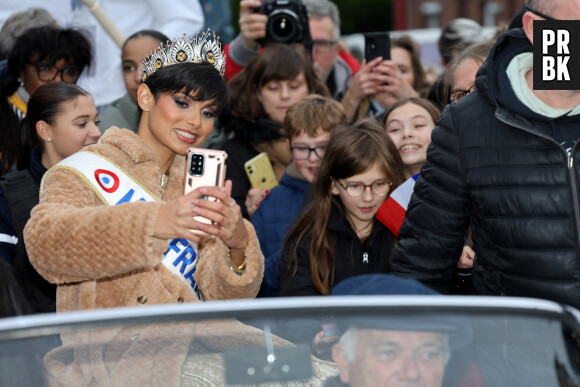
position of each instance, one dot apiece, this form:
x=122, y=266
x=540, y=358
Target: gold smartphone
x=260, y=172
x=204, y=167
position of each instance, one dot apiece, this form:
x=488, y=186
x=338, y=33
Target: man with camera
x=281, y=21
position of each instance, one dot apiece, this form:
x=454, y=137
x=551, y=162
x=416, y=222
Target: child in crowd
x=307, y=126
x=124, y=112
x=409, y=124
x=61, y=120
x=338, y=237
x=260, y=96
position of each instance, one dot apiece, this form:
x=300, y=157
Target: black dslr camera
x=287, y=22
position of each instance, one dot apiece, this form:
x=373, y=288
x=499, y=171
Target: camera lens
x=196, y=165
x=283, y=26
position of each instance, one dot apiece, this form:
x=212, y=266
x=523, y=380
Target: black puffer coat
x=495, y=163
x=351, y=256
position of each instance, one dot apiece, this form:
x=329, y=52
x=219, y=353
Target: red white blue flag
x=392, y=211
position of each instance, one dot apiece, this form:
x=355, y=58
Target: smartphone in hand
x=204, y=167
x=260, y=172
x=377, y=44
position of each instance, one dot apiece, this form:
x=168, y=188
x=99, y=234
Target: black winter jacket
x=351, y=257
x=495, y=164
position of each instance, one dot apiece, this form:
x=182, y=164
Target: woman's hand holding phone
x=225, y=214
x=176, y=218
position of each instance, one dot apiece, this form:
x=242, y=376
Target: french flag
x=392, y=212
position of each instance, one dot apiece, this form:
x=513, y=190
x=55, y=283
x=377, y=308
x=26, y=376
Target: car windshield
x=371, y=341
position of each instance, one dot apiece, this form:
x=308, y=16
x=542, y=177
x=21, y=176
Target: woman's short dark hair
x=278, y=62
x=202, y=80
x=50, y=44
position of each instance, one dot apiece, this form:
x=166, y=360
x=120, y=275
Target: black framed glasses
x=538, y=13
x=303, y=152
x=322, y=46
x=356, y=189
x=47, y=72
x=458, y=94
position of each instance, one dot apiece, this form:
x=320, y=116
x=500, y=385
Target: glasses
x=458, y=94
x=303, y=152
x=322, y=46
x=539, y=13
x=47, y=72
x=355, y=190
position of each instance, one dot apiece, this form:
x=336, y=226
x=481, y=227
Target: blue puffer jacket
x=273, y=220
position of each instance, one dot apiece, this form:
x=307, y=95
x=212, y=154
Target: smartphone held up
x=260, y=172
x=377, y=44
x=204, y=167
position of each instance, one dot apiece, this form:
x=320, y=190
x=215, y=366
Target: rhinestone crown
x=204, y=47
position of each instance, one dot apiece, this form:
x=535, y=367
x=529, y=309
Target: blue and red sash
x=114, y=186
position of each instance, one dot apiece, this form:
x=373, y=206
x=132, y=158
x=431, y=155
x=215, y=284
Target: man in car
x=394, y=350
x=504, y=159
x=379, y=357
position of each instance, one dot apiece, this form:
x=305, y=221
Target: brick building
x=417, y=14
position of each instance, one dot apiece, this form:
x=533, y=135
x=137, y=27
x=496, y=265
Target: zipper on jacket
x=574, y=192
x=365, y=257
x=570, y=158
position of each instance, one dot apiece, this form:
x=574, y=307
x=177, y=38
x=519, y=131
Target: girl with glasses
x=308, y=126
x=337, y=237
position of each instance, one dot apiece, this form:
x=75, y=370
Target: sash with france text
x=114, y=186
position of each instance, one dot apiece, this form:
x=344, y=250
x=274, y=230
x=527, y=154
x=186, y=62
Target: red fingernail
x=257, y=204
x=267, y=191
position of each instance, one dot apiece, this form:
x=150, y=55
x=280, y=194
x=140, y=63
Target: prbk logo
x=557, y=54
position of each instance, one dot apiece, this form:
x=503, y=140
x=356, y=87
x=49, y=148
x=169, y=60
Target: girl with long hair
x=409, y=123
x=338, y=237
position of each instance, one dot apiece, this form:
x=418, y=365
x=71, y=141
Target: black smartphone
x=377, y=44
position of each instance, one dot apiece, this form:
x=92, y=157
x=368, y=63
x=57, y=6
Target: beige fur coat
x=103, y=257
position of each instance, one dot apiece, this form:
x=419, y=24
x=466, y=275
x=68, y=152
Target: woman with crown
x=113, y=227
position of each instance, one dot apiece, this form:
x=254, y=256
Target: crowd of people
x=494, y=205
